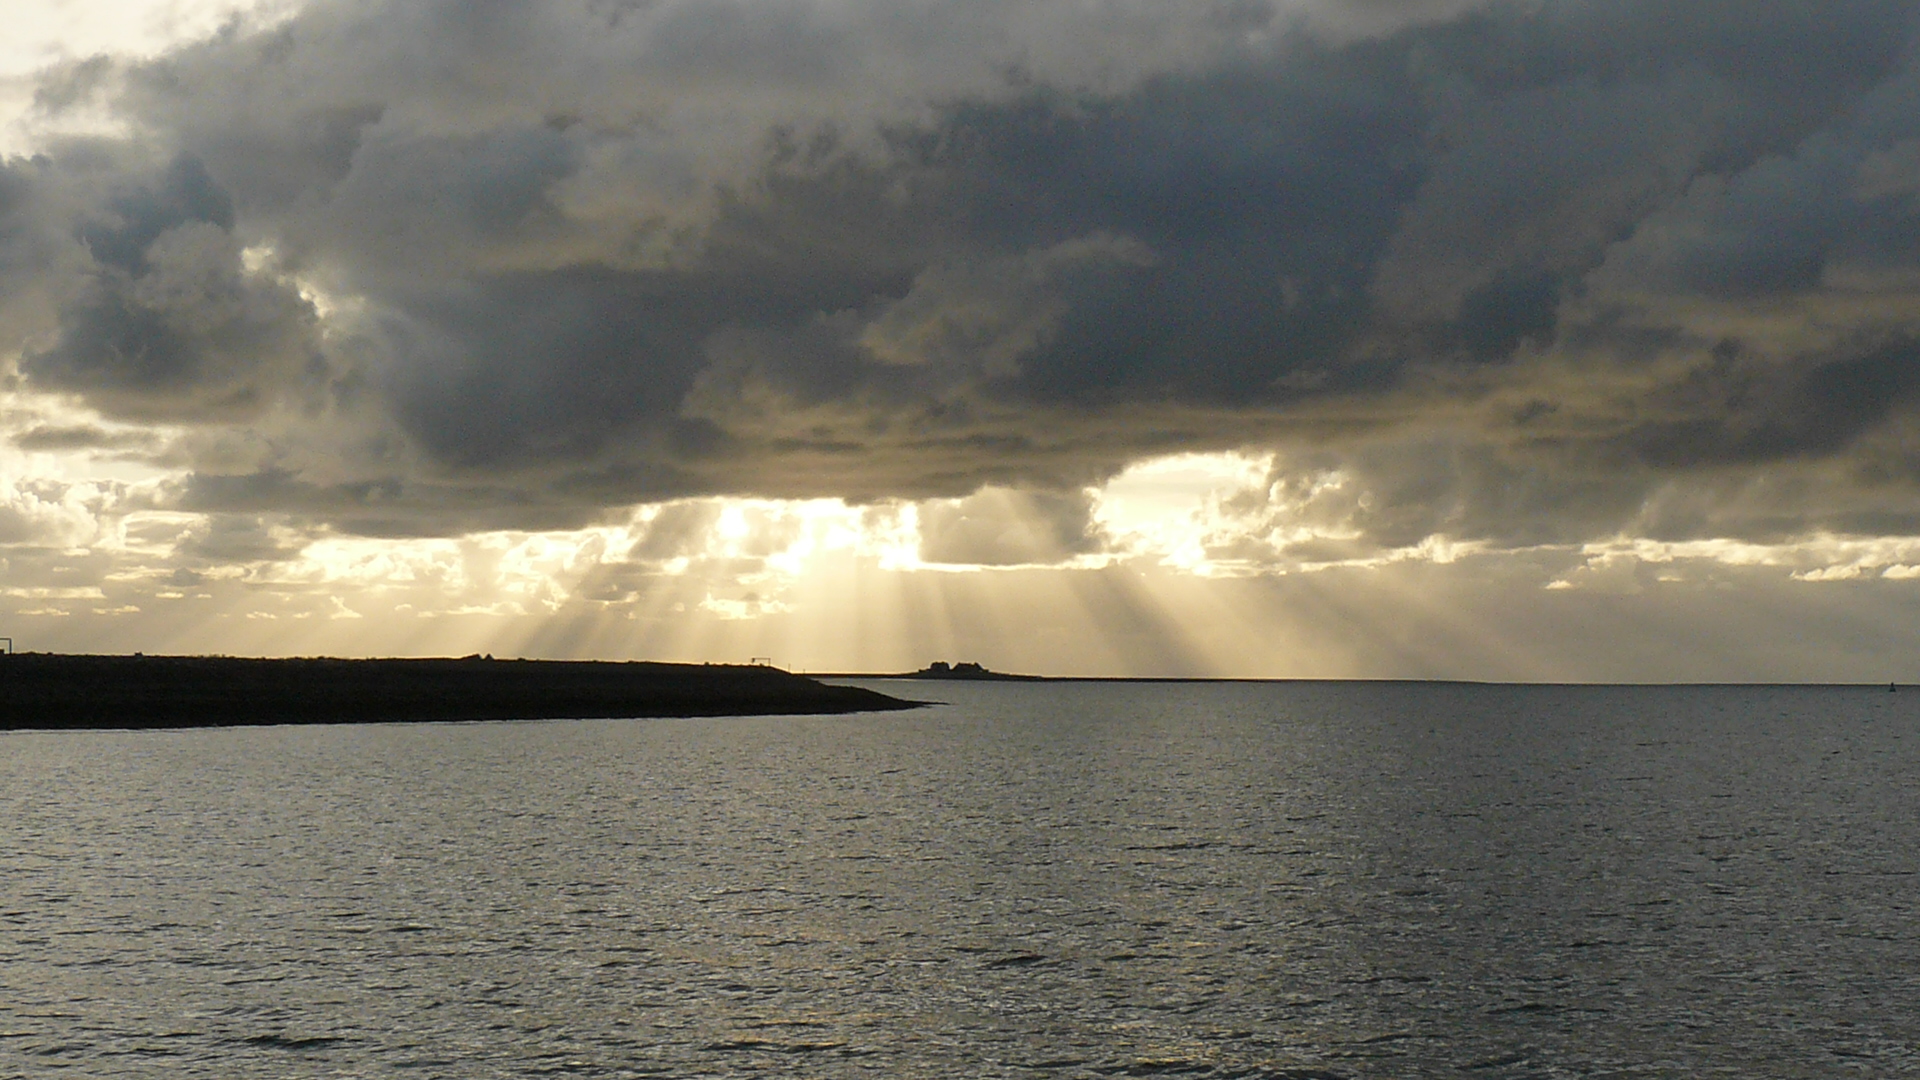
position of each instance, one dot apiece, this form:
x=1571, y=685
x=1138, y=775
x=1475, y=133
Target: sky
x=1568, y=340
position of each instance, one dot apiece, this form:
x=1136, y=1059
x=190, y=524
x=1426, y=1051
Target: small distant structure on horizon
x=940, y=669
x=760, y=661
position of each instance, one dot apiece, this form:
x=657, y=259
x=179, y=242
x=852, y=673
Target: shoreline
x=55, y=691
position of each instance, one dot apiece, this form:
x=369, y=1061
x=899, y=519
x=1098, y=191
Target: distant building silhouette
x=966, y=669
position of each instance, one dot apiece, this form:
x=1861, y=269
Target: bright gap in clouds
x=1167, y=507
x=1191, y=574
x=40, y=33
x=817, y=583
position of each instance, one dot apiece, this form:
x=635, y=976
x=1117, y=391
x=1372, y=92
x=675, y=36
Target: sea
x=1288, y=881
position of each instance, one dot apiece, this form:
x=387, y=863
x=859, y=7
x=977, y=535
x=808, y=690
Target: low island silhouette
x=51, y=690
x=967, y=670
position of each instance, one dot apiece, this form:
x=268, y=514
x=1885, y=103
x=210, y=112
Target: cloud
x=1483, y=273
x=984, y=317
x=998, y=527
x=233, y=538
x=157, y=316
x=82, y=437
x=47, y=514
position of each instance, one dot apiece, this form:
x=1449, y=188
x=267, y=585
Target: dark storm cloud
x=389, y=507
x=157, y=317
x=1754, y=413
x=572, y=256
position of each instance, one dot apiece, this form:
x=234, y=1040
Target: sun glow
x=1192, y=564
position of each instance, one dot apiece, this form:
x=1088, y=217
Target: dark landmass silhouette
x=940, y=669
x=49, y=690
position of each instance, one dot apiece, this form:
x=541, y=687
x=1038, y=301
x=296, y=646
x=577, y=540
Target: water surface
x=1059, y=880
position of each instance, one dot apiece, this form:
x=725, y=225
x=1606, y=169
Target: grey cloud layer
x=436, y=266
